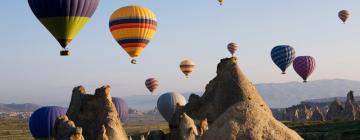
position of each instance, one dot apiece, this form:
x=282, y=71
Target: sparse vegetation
x=16, y=129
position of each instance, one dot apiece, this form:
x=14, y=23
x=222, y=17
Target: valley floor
x=17, y=129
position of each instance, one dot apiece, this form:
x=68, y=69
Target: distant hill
x=277, y=95
x=287, y=94
x=18, y=107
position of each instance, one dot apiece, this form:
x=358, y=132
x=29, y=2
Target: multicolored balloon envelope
x=122, y=108
x=167, y=104
x=152, y=84
x=42, y=121
x=133, y=27
x=221, y=2
x=63, y=18
x=187, y=67
x=283, y=55
x=304, y=66
x=232, y=48
x=344, y=15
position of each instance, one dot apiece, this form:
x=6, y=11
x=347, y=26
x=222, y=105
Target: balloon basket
x=133, y=61
x=283, y=73
x=64, y=53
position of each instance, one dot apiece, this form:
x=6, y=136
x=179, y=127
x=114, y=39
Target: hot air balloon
x=221, y=2
x=167, y=104
x=344, y=15
x=232, y=48
x=42, y=121
x=133, y=27
x=151, y=84
x=304, y=66
x=63, y=18
x=122, y=108
x=187, y=67
x=283, y=55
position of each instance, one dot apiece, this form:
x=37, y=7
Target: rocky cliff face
x=234, y=108
x=94, y=114
x=352, y=110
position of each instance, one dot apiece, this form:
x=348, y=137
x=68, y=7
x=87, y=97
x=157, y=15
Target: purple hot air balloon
x=122, y=108
x=42, y=121
x=304, y=66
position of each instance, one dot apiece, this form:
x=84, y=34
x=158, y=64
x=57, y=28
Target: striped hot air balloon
x=343, y=15
x=283, y=55
x=304, y=66
x=187, y=67
x=63, y=18
x=232, y=48
x=133, y=27
x=152, y=84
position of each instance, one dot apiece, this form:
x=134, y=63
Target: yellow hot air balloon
x=187, y=67
x=63, y=18
x=133, y=27
x=221, y=2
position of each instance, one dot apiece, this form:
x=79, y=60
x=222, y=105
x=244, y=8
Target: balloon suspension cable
x=133, y=61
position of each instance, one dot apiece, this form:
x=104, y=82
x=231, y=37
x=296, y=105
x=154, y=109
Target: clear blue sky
x=31, y=68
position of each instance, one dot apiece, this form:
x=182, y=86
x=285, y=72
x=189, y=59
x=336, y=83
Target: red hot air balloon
x=344, y=15
x=232, y=48
x=304, y=66
x=152, y=84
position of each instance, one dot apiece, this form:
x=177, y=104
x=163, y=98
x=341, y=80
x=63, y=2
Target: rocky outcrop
x=352, y=110
x=247, y=121
x=95, y=114
x=335, y=111
x=65, y=129
x=300, y=112
x=234, y=108
x=188, y=130
x=317, y=115
x=227, y=88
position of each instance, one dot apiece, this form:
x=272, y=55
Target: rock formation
x=95, y=114
x=227, y=88
x=188, y=130
x=352, y=109
x=335, y=111
x=234, y=108
x=299, y=112
x=317, y=115
x=66, y=130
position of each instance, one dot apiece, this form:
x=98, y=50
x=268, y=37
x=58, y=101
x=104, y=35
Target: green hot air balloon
x=63, y=18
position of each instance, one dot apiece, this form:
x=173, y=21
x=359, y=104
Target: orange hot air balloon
x=133, y=27
x=344, y=15
x=187, y=67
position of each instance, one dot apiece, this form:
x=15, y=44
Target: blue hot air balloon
x=42, y=121
x=283, y=56
x=122, y=108
x=167, y=104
